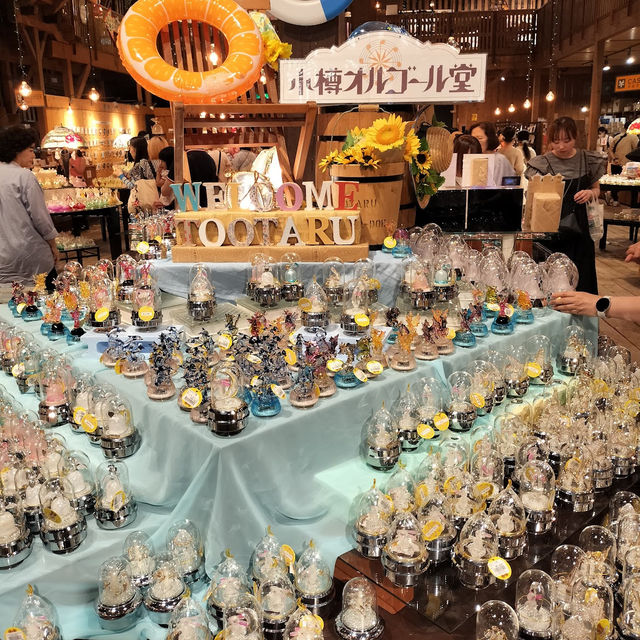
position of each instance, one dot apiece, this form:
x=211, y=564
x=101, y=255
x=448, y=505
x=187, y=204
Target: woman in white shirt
x=485, y=134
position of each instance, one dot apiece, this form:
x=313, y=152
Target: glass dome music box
x=139, y=551
x=277, y=599
x=55, y=385
x=333, y=278
x=572, y=352
x=184, y=543
x=462, y=409
x=119, y=438
x=15, y=536
x=574, y=486
x=119, y=601
x=243, y=619
x=201, y=300
x=406, y=419
x=628, y=622
x=266, y=287
x=125, y=272
x=405, y=556
x=227, y=409
x=437, y=527
x=478, y=543
x=146, y=300
x=540, y=364
x=381, y=444
x=189, y=622
x=314, y=307
x=538, y=492
x=36, y=618
x=304, y=625
x=371, y=522
x=256, y=269
x=228, y=585
x=496, y=620
x=115, y=505
x=355, y=310
x=314, y=581
x=62, y=529
x=266, y=555
x=534, y=605
x=359, y=615
x=75, y=468
x=103, y=312
x=291, y=277
x=509, y=518
x=166, y=590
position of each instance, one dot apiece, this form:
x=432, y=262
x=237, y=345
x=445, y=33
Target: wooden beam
x=596, y=94
x=68, y=79
x=178, y=149
x=304, y=141
x=46, y=27
x=82, y=82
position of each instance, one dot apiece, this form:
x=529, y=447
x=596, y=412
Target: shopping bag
x=595, y=217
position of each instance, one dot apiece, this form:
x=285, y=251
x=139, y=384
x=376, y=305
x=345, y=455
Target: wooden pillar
x=178, y=148
x=596, y=95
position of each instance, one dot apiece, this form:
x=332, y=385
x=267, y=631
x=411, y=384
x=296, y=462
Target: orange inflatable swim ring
x=139, y=52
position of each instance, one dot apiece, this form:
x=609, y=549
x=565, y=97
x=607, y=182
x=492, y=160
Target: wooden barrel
x=377, y=197
x=407, y=217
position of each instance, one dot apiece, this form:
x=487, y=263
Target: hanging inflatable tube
x=139, y=52
x=307, y=12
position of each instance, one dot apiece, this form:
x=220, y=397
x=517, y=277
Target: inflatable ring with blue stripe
x=307, y=12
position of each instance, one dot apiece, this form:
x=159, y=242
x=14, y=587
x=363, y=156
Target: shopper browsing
x=485, y=133
x=509, y=151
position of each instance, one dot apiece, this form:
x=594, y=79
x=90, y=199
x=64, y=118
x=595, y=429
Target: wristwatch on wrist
x=602, y=306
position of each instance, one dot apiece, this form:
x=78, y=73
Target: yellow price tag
x=477, y=400
x=288, y=555
x=146, y=314
x=425, y=431
x=118, y=501
x=21, y=307
x=117, y=367
x=390, y=242
x=142, y=247
x=278, y=391
x=374, y=367
x=451, y=334
x=101, y=314
x=191, y=397
x=493, y=306
x=290, y=357
x=360, y=374
x=335, y=365
x=500, y=568
x=432, y=530
x=225, y=341
x=422, y=494
x=14, y=633
x=533, y=369
x=304, y=304
x=17, y=369
x=441, y=420
x=483, y=490
x=50, y=514
x=89, y=423
x=452, y=485
x=361, y=319
x=78, y=414
x=253, y=358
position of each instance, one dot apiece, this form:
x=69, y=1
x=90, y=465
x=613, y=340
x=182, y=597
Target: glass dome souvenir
x=55, y=385
x=621, y=504
x=401, y=489
x=427, y=343
x=189, y=622
x=628, y=536
x=477, y=544
x=13, y=340
x=92, y=420
x=436, y=525
x=464, y=336
x=278, y=600
x=314, y=581
x=405, y=556
x=534, y=604
x=201, y=299
x=537, y=492
x=267, y=290
x=622, y=440
x=75, y=468
x=36, y=618
x=257, y=267
x=116, y=340
x=444, y=278
x=371, y=521
x=31, y=313
x=463, y=497
x=303, y=625
x=138, y=549
x=503, y=323
x=146, y=301
x=487, y=470
x=290, y=277
x=314, y=307
x=15, y=535
x=496, y=360
x=243, y=619
x=462, y=408
x=561, y=274
x=355, y=311
x=431, y=396
x=628, y=622
x=115, y=505
x=530, y=299
x=572, y=350
x=592, y=600
x=184, y=543
x=599, y=545
x=103, y=312
x=62, y=529
x=228, y=586
x=381, y=443
x=266, y=556
x=152, y=246
x=482, y=386
x=565, y=561
x=508, y=516
x=496, y=620
x=27, y=367
x=539, y=364
x=119, y=601
x=418, y=281
x=406, y=420
x=119, y=438
x=30, y=498
x=400, y=355
x=333, y=279
x=574, y=485
x=166, y=590
x=630, y=571
x=359, y=615
x=227, y=409
x=515, y=371
x=125, y=272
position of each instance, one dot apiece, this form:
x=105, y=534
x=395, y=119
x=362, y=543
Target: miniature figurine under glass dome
x=565, y=562
x=290, y=277
x=62, y=529
x=359, y=615
x=15, y=535
x=120, y=438
x=315, y=307
x=355, y=311
x=266, y=556
x=462, y=408
x=103, y=312
x=540, y=364
x=418, y=281
x=372, y=519
x=401, y=489
x=487, y=469
x=444, y=278
x=138, y=549
x=478, y=543
x=572, y=352
x=537, y=492
x=629, y=618
x=30, y=496
x=119, y=601
x=125, y=271
x=27, y=369
x=496, y=620
x=201, y=299
x=503, y=322
x=382, y=445
x=75, y=468
x=277, y=599
x=228, y=585
x=55, y=383
x=36, y=618
x=243, y=619
x=303, y=625
x=437, y=526
x=166, y=590
x=592, y=599
x=534, y=604
x=115, y=505
x=333, y=284
x=227, y=410
x=146, y=300
x=509, y=518
x=184, y=543
x=257, y=267
x=561, y=274
x=406, y=418
x=599, y=545
x=574, y=485
x=313, y=580
x=267, y=288
x=405, y=556
x=189, y=622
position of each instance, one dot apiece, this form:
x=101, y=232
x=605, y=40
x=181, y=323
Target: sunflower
x=411, y=146
x=386, y=134
x=423, y=162
x=343, y=158
x=328, y=160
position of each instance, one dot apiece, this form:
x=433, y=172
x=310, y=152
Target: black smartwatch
x=602, y=306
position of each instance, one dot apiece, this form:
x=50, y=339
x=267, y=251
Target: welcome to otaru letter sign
x=231, y=234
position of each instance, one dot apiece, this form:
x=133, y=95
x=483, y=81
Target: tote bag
x=143, y=195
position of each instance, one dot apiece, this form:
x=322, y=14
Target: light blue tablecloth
x=230, y=278
x=290, y=472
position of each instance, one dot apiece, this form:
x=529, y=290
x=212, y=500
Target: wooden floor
x=619, y=278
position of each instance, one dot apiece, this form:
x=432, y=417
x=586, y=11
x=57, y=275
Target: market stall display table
x=633, y=225
x=289, y=472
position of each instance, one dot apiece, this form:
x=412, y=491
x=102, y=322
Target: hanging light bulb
x=630, y=59
x=263, y=78
x=24, y=89
x=584, y=109
x=502, y=78
x=550, y=97
x=203, y=114
x=213, y=56
x=527, y=104
x=498, y=111
x=222, y=116
x=24, y=106
x=94, y=96
x=69, y=108
x=377, y=5
x=511, y=108
x=607, y=66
